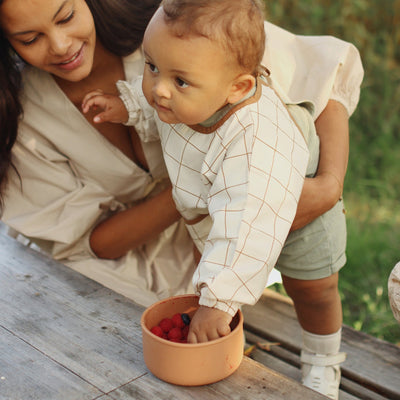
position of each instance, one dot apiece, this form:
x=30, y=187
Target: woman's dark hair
x=120, y=26
x=10, y=107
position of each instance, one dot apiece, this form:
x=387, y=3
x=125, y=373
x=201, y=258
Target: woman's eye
x=181, y=83
x=29, y=42
x=67, y=19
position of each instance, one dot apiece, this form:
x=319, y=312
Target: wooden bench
x=370, y=372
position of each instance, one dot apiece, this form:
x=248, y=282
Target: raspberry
x=157, y=331
x=175, y=334
x=166, y=324
x=185, y=318
x=178, y=321
x=185, y=331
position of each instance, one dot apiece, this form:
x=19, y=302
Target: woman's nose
x=59, y=43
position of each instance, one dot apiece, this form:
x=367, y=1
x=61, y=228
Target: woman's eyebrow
x=54, y=17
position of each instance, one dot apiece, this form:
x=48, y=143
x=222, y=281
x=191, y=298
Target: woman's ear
x=241, y=86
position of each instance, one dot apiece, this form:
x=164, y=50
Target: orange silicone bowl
x=184, y=363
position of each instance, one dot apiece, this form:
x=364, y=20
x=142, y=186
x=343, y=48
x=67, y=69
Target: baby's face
x=185, y=79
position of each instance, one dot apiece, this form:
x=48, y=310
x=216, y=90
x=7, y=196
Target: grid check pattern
x=246, y=174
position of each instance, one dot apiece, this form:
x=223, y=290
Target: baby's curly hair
x=237, y=25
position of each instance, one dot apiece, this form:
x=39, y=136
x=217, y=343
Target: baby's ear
x=241, y=86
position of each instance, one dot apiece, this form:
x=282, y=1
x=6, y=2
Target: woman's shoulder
x=32, y=74
x=36, y=84
x=134, y=64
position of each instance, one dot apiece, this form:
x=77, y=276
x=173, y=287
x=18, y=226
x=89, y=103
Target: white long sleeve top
x=246, y=172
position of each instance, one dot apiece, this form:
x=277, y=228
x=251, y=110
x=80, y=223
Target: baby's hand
x=113, y=107
x=208, y=324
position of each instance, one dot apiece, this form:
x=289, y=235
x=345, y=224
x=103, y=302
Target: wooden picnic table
x=66, y=337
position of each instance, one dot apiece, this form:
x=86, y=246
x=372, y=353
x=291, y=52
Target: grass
x=372, y=187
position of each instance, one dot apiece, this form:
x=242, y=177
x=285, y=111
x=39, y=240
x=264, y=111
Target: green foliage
x=372, y=252
x=372, y=186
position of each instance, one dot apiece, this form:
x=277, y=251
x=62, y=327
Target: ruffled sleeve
x=314, y=68
x=141, y=114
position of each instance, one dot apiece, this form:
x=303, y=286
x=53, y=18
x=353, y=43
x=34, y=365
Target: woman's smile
x=75, y=61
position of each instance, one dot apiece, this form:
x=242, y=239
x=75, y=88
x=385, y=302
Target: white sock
x=322, y=344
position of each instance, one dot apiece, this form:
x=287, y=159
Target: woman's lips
x=73, y=62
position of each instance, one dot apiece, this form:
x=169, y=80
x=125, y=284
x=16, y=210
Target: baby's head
x=236, y=25
x=201, y=55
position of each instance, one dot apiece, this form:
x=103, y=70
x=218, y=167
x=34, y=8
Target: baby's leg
x=309, y=264
x=317, y=303
x=319, y=312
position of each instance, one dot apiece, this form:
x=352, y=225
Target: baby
x=232, y=149
x=236, y=153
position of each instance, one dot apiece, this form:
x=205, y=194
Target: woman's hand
x=323, y=191
x=319, y=195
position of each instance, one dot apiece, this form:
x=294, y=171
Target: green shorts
x=317, y=250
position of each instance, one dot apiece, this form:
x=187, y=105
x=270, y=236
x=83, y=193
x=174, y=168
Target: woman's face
x=57, y=36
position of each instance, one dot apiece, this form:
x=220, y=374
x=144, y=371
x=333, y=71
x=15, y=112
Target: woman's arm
x=323, y=191
x=320, y=69
x=130, y=228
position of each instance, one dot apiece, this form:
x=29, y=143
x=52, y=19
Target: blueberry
x=185, y=318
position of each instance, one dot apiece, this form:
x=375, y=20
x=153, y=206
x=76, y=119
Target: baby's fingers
x=90, y=100
x=196, y=337
x=101, y=117
x=223, y=328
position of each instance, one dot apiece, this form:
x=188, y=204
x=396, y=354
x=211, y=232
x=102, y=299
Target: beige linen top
x=72, y=177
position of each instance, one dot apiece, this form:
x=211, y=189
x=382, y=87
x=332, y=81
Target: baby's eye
x=152, y=67
x=181, y=83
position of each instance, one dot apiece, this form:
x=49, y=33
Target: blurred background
x=372, y=186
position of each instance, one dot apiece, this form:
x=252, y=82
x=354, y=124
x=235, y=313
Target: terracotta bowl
x=184, y=363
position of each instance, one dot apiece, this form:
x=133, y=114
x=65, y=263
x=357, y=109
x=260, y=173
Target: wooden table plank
x=24, y=373
x=83, y=341
x=93, y=335
x=251, y=381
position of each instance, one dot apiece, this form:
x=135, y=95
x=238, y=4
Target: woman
x=97, y=198
x=89, y=195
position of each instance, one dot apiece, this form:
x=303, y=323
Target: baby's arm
x=208, y=324
x=113, y=108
